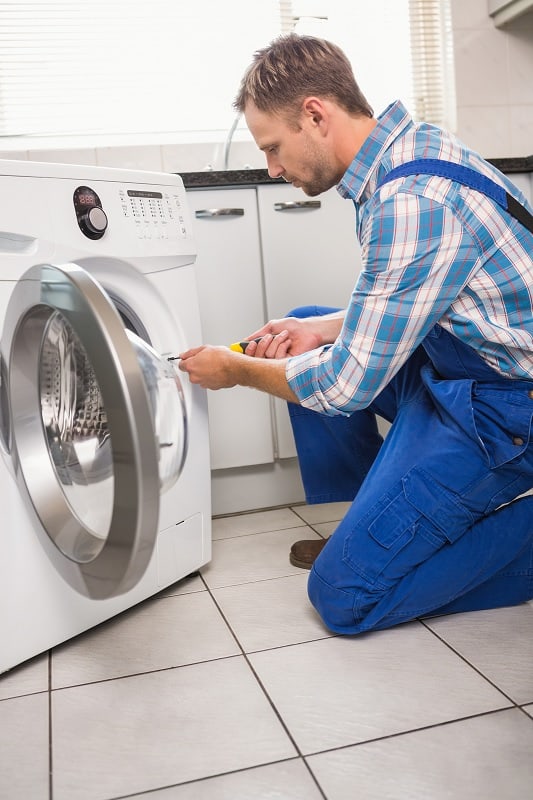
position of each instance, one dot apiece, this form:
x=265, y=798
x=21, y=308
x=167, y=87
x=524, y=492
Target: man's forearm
x=267, y=375
x=329, y=326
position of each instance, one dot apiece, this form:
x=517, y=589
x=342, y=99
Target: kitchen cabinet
x=262, y=251
x=505, y=11
x=310, y=250
x=230, y=288
x=310, y=257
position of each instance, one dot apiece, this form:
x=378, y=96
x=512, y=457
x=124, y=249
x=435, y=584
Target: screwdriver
x=240, y=347
x=237, y=347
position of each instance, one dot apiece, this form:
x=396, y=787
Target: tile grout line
x=194, y=781
x=466, y=661
x=265, y=693
x=411, y=731
x=50, y=755
x=260, y=533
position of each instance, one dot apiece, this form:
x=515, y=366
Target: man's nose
x=275, y=170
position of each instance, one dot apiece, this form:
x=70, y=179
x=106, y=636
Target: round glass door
x=77, y=434
x=82, y=431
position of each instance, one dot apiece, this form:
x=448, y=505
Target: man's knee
x=343, y=610
x=335, y=606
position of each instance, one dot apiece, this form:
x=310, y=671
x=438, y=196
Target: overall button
x=518, y=440
x=530, y=394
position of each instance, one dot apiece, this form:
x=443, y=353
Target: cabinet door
x=230, y=288
x=310, y=249
x=311, y=256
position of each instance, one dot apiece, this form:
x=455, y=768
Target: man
x=437, y=338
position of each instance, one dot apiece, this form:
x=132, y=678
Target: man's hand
x=221, y=368
x=209, y=366
x=284, y=337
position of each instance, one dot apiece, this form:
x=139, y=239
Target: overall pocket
x=503, y=423
x=404, y=529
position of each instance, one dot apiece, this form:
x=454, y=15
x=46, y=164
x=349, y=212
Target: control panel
x=61, y=212
x=155, y=214
x=151, y=214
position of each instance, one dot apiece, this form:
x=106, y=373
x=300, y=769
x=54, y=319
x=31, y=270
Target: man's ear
x=315, y=111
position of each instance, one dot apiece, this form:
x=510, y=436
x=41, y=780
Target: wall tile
x=493, y=69
x=521, y=120
x=64, y=156
x=481, y=67
x=520, y=39
x=191, y=157
x=486, y=130
x=246, y=155
x=470, y=14
x=14, y=155
x=144, y=157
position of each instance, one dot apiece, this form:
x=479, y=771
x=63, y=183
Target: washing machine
x=104, y=466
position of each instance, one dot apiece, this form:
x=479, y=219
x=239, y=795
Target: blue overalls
x=434, y=526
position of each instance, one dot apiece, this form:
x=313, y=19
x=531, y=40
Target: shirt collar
x=390, y=124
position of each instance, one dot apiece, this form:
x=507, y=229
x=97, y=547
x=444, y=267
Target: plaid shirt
x=433, y=251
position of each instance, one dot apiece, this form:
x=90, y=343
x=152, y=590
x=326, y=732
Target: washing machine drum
x=97, y=426
x=75, y=418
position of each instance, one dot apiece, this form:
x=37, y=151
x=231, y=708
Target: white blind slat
x=128, y=66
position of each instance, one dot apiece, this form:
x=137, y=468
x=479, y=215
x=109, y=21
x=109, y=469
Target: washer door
x=81, y=429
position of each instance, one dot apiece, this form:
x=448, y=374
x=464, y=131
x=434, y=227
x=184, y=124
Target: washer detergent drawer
x=96, y=428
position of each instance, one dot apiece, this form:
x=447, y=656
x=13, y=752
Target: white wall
x=494, y=87
x=494, y=81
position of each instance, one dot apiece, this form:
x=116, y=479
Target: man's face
x=299, y=154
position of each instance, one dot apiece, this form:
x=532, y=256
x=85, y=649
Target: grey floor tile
x=271, y=613
x=485, y=758
x=498, y=642
x=274, y=519
x=529, y=709
x=325, y=529
x=24, y=748
x=157, y=634
x=253, y=558
x=342, y=690
x=322, y=512
x=28, y=678
x=286, y=780
x=162, y=728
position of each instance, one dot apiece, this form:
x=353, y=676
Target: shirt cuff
x=303, y=374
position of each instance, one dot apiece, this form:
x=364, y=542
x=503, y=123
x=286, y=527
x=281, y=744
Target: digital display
x=86, y=199
x=148, y=195
x=91, y=224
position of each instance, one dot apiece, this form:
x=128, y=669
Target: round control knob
x=93, y=222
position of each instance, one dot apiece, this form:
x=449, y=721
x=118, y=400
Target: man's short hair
x=293, y=67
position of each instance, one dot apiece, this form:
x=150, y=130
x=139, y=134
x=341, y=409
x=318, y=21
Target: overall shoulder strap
x=467, y=176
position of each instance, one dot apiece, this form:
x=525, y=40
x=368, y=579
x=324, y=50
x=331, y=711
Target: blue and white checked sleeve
x=417, y=257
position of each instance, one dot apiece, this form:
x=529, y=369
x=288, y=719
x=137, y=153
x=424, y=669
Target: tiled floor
x=227, y=686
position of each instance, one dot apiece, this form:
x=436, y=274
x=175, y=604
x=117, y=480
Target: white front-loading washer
x=104, y=467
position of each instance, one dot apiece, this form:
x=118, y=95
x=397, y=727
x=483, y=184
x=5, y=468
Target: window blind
x=114, y=66
x=432, y=62
x=72, y=67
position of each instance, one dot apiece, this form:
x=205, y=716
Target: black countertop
x=255, y=177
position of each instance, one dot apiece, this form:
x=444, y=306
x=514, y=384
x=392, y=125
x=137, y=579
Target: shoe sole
x=297, y=563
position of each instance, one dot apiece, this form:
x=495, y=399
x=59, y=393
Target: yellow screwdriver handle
x=240, y=347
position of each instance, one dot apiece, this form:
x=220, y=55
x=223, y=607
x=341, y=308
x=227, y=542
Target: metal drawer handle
x=296, y=205
x=220, y=212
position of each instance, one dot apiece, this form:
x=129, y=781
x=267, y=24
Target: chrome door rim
x=120, y=562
